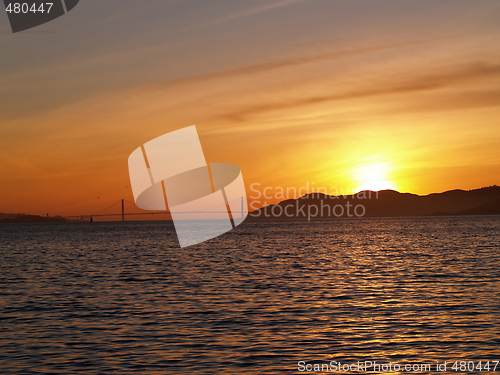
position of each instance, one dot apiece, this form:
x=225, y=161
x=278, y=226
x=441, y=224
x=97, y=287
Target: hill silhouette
x=492, y=208
x=21, y=219
x=387, y=203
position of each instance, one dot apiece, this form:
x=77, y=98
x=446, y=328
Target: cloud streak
x=249, y=12
x=446, y=78
x=284, y=63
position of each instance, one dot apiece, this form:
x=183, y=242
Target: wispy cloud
x=444, y=78
x=248, y=12
x=289, y=62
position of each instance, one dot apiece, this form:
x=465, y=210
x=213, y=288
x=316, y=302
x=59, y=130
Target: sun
x=374, y=177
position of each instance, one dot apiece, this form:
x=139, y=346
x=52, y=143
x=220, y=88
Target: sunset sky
x=350, y=94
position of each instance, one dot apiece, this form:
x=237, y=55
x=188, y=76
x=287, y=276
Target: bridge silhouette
x=91, y=217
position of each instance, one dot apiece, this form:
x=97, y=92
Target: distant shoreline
x=31, y=219
x=385, y=203
x=253, y=219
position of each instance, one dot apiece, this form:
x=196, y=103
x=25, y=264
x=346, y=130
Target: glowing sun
x=373, y=177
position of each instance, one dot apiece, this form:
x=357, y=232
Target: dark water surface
x=123, y=298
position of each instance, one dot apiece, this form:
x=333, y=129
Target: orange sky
x=402, y=96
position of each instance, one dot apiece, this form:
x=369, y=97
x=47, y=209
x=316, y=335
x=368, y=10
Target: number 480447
x=471, y=366
x=25, y=8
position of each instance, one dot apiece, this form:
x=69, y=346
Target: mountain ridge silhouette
x=390, y=203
